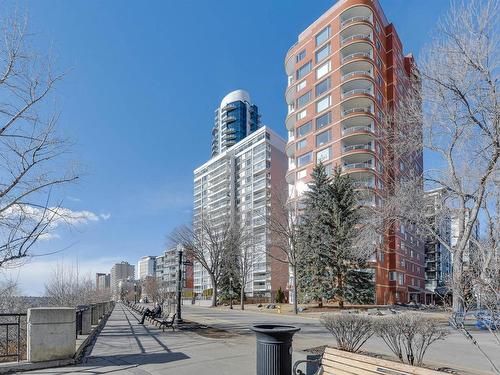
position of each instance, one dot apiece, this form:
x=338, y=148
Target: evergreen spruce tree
x=313, y=274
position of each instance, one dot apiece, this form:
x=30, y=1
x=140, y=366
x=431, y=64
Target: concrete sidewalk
x=124, y=346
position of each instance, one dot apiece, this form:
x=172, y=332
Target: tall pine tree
x=331, y=267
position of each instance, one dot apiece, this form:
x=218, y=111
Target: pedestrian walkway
x=124, y=346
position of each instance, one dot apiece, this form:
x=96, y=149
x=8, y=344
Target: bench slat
x=371, y=363
x=353, y=367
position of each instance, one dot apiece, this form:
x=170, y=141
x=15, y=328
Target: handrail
x=355, y=37
x=358, y=147
x=357, y=72
x=356, y=110
x=357, y=165
x=356, y=19
x=353, y=129
x=356, y=54
x=356, y=91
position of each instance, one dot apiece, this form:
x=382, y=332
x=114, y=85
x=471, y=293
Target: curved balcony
x=356, y=14
x=360, y=146
x=290, y=94
x=357, y=105
x=229, y=119
x=357, y=161
x=356, y=69
x=290, y=65
x=363, y=180
x=290, y=121
x=290, y=174
x=356, y=87
x=290, y=149
x=356, y=51
x=359, y=32
x=228, y=107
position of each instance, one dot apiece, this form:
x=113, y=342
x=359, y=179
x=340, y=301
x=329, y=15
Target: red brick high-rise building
x=345, y=73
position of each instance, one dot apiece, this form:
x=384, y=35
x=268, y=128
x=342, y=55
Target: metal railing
x=358, y=147
x=355, y=37
x=356, y=166
x=355, y=55
x=346, y=112
x=365, y=73
x=352, y=92
x=356, y=19
x=11, y=320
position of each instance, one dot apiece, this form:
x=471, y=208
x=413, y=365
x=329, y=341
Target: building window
x=301, y=174
x=304, y=69
x=301, y=55
x=379, y=63
x=392, y=276
x=301, y=85
x=323, y=138
x=378, y=45
x=323, y=53
x=323, y=104
x=323, y=120
x=401, y=280
x=323, y=70
x=329, y=170
x=301, y=114
x=379, y=80
x=377, y=27
x=304, y=129
x=301, y=144
x=304, y=159
x=323, y=36
x=304, y=99
x=323, y=87
x=379, y=97
x=323, y=155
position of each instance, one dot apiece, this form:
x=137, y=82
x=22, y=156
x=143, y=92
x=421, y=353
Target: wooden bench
x=339, y=362
x=164, y=322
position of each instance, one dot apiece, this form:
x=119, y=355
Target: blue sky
x=143, y=81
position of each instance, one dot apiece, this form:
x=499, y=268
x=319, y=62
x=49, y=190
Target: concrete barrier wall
x=51, y=333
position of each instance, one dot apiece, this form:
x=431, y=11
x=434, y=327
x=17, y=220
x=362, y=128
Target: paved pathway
x=126, y=347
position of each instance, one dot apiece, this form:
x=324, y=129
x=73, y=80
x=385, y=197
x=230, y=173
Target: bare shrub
x=351, y=331
x=409, y=335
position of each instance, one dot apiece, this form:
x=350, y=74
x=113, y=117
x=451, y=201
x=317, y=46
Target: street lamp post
x=135, y=292
x=178, y=316
x=231, y=292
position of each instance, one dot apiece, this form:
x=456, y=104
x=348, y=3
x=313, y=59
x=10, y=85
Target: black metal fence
x=12, y=337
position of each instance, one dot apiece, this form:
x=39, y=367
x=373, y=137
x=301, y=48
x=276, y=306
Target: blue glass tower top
x=235, y=118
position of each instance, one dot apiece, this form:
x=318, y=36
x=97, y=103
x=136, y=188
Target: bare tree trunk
x=214, y=292
x=457, y=291
x=340, y=284
x=295, y=288
x=242, y=297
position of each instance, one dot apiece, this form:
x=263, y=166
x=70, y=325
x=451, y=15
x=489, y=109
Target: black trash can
x=274, y=348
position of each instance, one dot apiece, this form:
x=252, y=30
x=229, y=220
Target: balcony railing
x=358, y=147
x=356, y=19
x=356, y=110
x=364, y=184
x=356, y=55
x=229, y=119
x=355, y=37
x=349, y=93
x=346, y=167
x=364, y=73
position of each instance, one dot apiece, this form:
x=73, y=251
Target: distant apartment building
x=102, y=281
x=146, y=267
x=437, y=256
x=122, y=271
x=237, y=184
x=346, y=70
x=235, y=118
x=167, y=266
x=438, y=259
